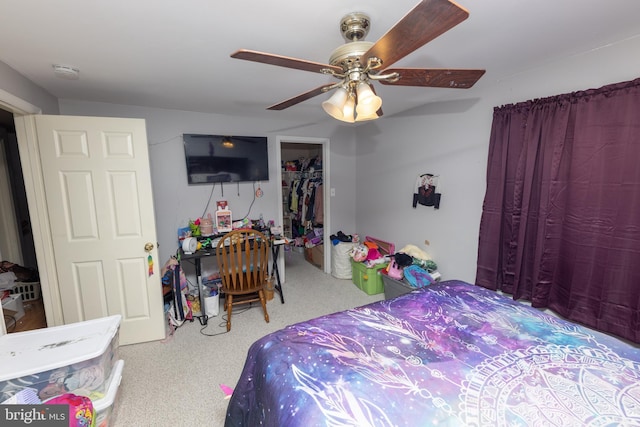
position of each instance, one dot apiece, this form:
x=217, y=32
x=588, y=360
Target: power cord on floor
x=223, y=323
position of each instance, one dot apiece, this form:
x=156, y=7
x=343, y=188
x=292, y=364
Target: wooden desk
x=211, y=252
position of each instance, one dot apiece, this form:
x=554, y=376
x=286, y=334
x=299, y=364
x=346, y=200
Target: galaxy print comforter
x=446, y=355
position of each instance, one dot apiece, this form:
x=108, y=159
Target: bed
x=449, y=354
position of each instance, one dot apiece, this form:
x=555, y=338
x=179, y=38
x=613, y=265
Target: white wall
x=451, y=139
x=176, y=202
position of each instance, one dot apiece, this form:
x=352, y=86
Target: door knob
x=148, y=247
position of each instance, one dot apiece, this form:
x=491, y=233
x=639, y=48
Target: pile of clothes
x=413, y=265
x=341, y=237
x=22, y=274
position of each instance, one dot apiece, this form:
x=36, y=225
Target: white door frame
x=37, y=208
x=280, y=139
x=34, y=187
x=17, y=105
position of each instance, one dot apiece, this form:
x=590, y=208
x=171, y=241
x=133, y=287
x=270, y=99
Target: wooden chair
x=243, y=263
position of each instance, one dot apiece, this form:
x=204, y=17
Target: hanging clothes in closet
x=306, y=200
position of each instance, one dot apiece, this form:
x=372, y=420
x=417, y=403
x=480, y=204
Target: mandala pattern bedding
x=446, y=355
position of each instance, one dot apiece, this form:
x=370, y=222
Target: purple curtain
x=561, y=216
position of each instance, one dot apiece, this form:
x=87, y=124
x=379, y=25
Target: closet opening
x=22, y=304
x=303, y=176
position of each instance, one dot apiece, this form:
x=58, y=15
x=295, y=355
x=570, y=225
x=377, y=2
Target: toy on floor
x=228, y=391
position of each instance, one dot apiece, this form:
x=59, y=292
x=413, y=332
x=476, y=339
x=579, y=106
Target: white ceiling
x=175, y=54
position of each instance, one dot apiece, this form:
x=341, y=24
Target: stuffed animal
x=398, y=262
x=394, y=270
x=373, y=252
x=359, y=253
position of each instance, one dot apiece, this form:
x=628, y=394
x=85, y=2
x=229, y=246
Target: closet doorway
x=17, y=249
x=304, y=192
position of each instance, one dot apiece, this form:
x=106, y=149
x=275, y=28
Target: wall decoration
x=427, y=191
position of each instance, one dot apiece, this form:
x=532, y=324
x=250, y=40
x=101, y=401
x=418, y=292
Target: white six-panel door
x=100, y=206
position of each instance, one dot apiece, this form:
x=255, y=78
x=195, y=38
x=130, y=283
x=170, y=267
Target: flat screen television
x=222, y=158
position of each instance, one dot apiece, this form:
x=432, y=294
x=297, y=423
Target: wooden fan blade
x=298, y=99
x=454, y=79
x=425, y=22
x=283, y=61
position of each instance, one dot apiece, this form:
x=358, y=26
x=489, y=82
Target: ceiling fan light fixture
x=334, y=106
x=357, y=63
x=367, y=110
x=365, y=117
x=349, y=109
x=368, y=102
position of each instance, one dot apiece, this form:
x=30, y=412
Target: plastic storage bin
x=104, y=407
x=367, y=279
x=30, y=290
x=394, y=288
x=77, y=358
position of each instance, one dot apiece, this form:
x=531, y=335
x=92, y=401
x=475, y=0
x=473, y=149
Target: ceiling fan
x=358, y=63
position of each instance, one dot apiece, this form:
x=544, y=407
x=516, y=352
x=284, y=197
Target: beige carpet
x=176, y=383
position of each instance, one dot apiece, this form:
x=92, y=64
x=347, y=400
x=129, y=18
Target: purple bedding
x=449, y=354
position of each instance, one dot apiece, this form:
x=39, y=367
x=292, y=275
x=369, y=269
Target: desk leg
x=203, y=313
x=275, y=252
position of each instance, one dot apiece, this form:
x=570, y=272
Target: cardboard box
x=315, y=256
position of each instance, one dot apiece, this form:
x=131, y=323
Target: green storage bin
x=368, y=279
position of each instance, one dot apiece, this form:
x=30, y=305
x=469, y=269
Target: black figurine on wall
x=427, y=191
